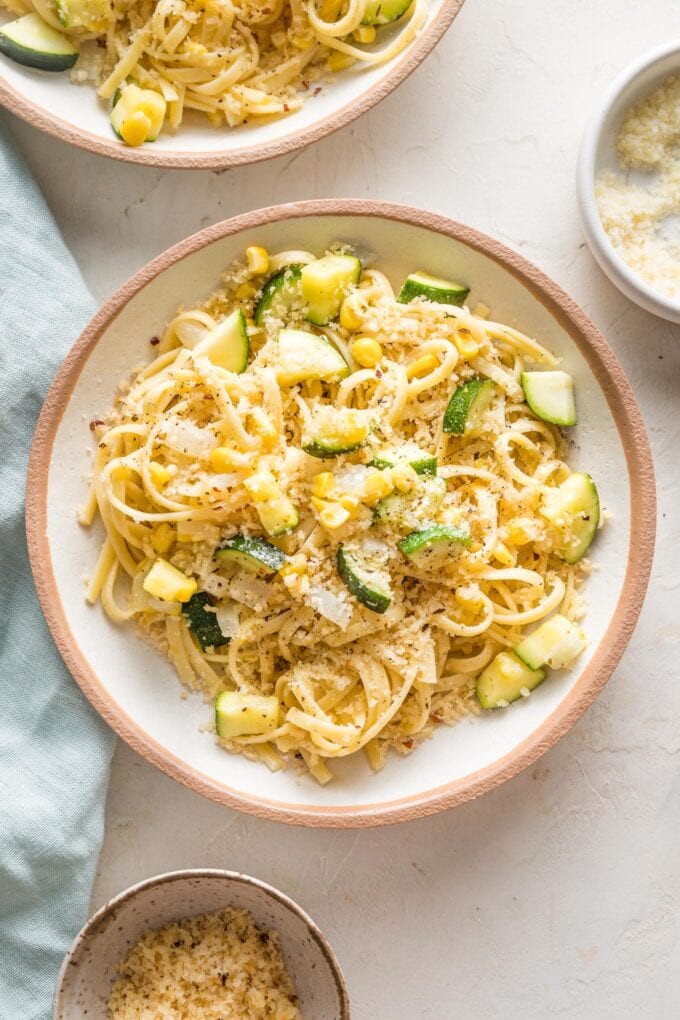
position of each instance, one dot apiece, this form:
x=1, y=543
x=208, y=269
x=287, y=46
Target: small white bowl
x=598, y=152
x=89, y=968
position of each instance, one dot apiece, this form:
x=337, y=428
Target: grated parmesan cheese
x=638, y=203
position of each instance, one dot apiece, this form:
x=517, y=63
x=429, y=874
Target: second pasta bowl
x=341, y=517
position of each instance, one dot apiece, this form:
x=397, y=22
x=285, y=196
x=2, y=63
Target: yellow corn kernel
x=334, y=516
x=322, y=484
x=318, y=503
x=296, y=565
x=503, y=554
x=366, y=352
x=519, y=530
x=135, y=129
x=260, y=424
x=465, y=343
x=163, y=537
x=160, y=476
x=403, y=477
x=349, y=502
x=469, y=602
x=122, y=473
x=168, y=583
x=423, y=366
x=354, y=427
x=339, y=61
x=365, y=34
x=262, y=486
x=258, y=259
x=223, y=458
x=377, y=486
x=348, y=317
x=301, y=42
x=245, y=291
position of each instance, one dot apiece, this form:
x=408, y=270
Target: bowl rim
x=400, y=68
x=612, y=264
x=112, y=904
x=623, y=407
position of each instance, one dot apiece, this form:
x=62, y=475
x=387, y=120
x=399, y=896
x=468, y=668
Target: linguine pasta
x=187, y=450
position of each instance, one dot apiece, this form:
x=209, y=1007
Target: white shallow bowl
x=89, y=968
x=73, y=113
x=598, y=152
x=136, y=690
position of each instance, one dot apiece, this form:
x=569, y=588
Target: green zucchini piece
x=338, y=431
x=367, y=586
x=504, y=679
x=256, y=555
x=382, y=12
x=550, y=395
x=302, y=355
x=431, y=288
x=431, y=546
x=227, y=344
x=239, y=714
x=574, y=508
x=421, y=462
x=555, y=643
x=410, y=508
x=87, y=14
x=325, y=284
x=130, y=99
x=202, y=622
x=277, y=515
x=279, y=294
x=32, y=42
x=467, y=405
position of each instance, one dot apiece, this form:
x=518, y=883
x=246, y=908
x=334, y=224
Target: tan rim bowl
x=89, y=968
x=37, y=97
x=136, y=692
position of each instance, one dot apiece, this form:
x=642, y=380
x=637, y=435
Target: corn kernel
x=465, y=343
x=365, y=34
x=135, y=129
x=168, y=583
x=296, y=565
x=377, y=486
x=160, y=476
x=423, y=366
x=322, y=484
x=339, y=61
x=354, y=427
x=366, y=352
x=122, y=473
x=334, y=516
x=163, y=537
x=245, y=291
x=301, y=42
x=503, y=554
x=403, y=477
x=348, y=317
x=223, y=458
x=258, y=259
x=349, y=502
x=262, y=486
x=519, y=530
x=318, y=503
x=260, y=423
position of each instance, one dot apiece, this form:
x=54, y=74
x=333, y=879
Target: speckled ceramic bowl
x=89, y=968
x=598, y=152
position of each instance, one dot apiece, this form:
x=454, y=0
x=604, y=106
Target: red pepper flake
x=436, y=718
x=408, y=744
x=95, y=422
x=154, y=340
x=286, y=108
x=316, y=91
x=378, y=374
x=305, y=85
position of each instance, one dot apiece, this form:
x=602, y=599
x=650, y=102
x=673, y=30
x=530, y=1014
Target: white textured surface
x=557, y=894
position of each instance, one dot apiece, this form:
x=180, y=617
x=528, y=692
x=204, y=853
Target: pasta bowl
x=136, y=690
x=89, y=968
x=73, y=113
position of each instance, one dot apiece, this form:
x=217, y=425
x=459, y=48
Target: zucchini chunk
x=325, y=284
x=137, y=115
x=431, y=288
x=504, y=679
x=338, y=431
x=202, y=622
x=88, y=14
x=279, y=294
x=227, y=345
x=555, y=643
x=256, y=555
x=421, y=462
x=408, y=509
x=550, y=395
x=32, y=42
x=574, y=508
x=277, y=515
x=382, y=12
x=368, y=587
x=467, y=405
x=240, y=714
x=432, y=546
x=302, y=355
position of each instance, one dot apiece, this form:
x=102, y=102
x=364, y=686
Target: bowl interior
x=89, y=972
x=136, y=688
x=78, y=106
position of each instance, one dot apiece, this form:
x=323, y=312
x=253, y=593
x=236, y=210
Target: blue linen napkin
x=54, y=750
